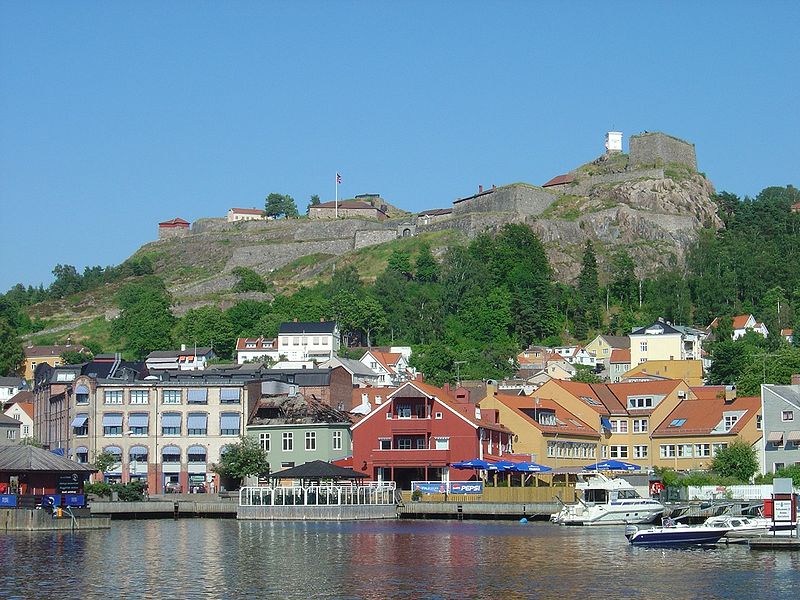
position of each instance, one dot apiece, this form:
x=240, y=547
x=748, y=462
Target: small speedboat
x=739, y=528
x=674, y=534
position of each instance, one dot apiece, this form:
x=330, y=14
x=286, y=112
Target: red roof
x=560, y=180
x=350, y=205
x=621, y=355
x=176, y=222
x=248, y=211
x=567, y=423
x=704, y=414
x=260, y=343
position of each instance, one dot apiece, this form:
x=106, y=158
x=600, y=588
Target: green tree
x=346, y=278
x=587, y=313
x=313, y=201
x=11, y=353
x=738, y=460
x=72, y=357
x=145, y=322
x=280, y=205
x=762, y=367
x=269, y=324
x=207, y=326
x=426, y=269
x=357, y=312
x=585, y=374
x=400, y=262
x=241, y=460
x=104, y=460
x=249, y=281
x=624, y=286
x=245, y=315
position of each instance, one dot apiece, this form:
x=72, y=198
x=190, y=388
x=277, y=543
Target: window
x=171, y=454
x=288, y=441
x=26, y=430
x=442, y=443
x=676, y=422
x=11, y=434
x=618, y=426
x=389, y=414
x=315, y=341
x=730, y=421
x=640, y=426
x=287, y=465
x=229, y=424
x=547, y=418
x=643, y=346
x=787, y=415
x=80, y=424
x=604, y=452
x=640, y=451
x=112, y=424
x=140, y=396
x=337, y=440
x=82, y=454
x=263, y=439
x=296, y=341
x=311, y=440
x=640, y=403
x=82, y=395
x=172, y=396
x=759, y=422
x=196, y=454
x=777, y=467
x=403, y=411
x=702, y=450
x=404, y=444
x=197, y=424
x=717, y=447
x=113, y=396
x=171, y=424
x=438, y=415
x=619, y=452
x=230, y=396
x=197, y=396
x=284, y=341
x=684, y=450
x=385, y=444
x=667, y=450
x=138, y=423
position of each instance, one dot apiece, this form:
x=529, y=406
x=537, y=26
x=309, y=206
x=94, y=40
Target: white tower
x=614, y=141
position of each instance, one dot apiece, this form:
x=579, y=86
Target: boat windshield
x=596, y=496
x=627, y=494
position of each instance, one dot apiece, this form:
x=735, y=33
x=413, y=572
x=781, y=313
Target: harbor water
x=205, y=558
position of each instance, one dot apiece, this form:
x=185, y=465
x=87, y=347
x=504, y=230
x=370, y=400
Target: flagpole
x=336, y=201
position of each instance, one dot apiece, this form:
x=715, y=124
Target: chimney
x=183, y=347
x=480, y=189
x=477, y=412
x=796, y=379
x=446, y=387
x=295, y=319
x=730, y=393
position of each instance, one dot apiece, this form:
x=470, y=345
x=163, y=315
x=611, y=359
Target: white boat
x=604, y=501
x=740, y=527
x=674, y=534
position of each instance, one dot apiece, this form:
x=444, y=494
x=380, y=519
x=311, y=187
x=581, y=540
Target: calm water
x=194, y=558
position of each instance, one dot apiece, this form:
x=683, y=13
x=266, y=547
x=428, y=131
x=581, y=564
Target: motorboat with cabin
x=740, y=528
x=605, y=501
x=674, y=534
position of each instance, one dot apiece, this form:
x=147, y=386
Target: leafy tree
x=357, y=312
x=400, y=262
x=72, y=357
x=738, y=460
x=104, y=460
x=31, y=441
x=313, y=201
x=585, y=374
x=145, y=322
x=207, y=326
x=426, y=269
x=280, y=205
x=68, y=281
x=587, y=313
x=242, y=460
x=269, y=324
x=776, y=367
x=346, y=278
x=624, y=286
x=245, y=315
x=11, y=353
x=249, y=281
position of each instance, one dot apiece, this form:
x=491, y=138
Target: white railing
x=375, y=493
x=734, y=492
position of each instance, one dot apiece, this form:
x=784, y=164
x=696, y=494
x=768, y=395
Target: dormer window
x=730, y=421
x=547, y=418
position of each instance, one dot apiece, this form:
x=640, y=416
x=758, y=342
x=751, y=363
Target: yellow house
x=602, y=346
x=696, y=429
x=36, y=355
x=663, y=341
x=624, y=414
x=691, y=371
x=549, y=433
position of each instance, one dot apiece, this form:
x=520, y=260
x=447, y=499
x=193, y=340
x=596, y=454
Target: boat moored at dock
x=605, y=501
x=672, y=534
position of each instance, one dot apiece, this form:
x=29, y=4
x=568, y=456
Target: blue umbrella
x=475, y=463
x=502, y=465
x=612, y=465
x=530, y=467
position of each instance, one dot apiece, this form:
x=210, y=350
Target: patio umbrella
x=530, y=467
x=501, y=465
x=475, y=463
x=612, y=465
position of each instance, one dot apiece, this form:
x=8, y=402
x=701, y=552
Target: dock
x=477, y=510
x=33, y=519
x=183, y=505
x=774, y=542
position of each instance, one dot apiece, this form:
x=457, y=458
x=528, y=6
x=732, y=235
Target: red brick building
x=419, y=431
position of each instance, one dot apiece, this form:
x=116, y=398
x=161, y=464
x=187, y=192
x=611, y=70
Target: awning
x=228, y=394
x=81, y=450
x=137, y=420
x=197, y=396
x=229, y=421
x=197, y=421
x=776, y=437
x=793, y=436
x=171, y=451
x=81, y=389
x=115, y=450
x=197, y=450
x=171, y=420
x=79, y=421
x=112, y=420
x=138, y=451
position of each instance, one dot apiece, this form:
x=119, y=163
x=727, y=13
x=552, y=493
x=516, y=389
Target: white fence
x=319, y=495
x=732, y=492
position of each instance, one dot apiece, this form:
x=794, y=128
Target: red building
x=419, y=431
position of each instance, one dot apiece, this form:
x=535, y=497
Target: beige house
x=246, y=214
x=603, y=345
x=663, y=341
x=348, y=209
x=691, y=371
x=36, y=355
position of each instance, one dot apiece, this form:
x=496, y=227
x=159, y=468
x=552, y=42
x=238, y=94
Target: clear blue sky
x=116, y=115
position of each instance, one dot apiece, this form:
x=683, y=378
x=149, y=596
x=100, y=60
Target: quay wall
x=331, y=512
x=23, y=519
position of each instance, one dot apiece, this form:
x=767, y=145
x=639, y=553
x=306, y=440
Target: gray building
x=9, y=430
x=780, y=407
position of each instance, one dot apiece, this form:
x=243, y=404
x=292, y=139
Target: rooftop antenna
x=458, y=364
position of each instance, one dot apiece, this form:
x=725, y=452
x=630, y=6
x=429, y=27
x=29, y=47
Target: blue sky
x=114, y=116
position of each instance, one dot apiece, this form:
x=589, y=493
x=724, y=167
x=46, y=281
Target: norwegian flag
x=338, y=178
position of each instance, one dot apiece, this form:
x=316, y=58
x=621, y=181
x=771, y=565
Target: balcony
x=410, y=458
x=409, y=425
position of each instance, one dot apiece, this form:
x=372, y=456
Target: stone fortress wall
x=520, y=198
x=660, y=149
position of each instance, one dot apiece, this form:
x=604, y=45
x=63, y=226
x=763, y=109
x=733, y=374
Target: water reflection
x=371, y=560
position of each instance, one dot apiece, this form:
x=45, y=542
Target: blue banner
x=466, y=487
x=8, y=500
x=430, y=487
x=74, y=500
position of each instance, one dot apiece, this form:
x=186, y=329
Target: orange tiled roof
x=621, y=355
x=247, y=211
x=27, y=408
x=704, y=414
x=388, y=359
x=611, y=398
x=372, y=393
x=241, y=343
x=570, y=424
